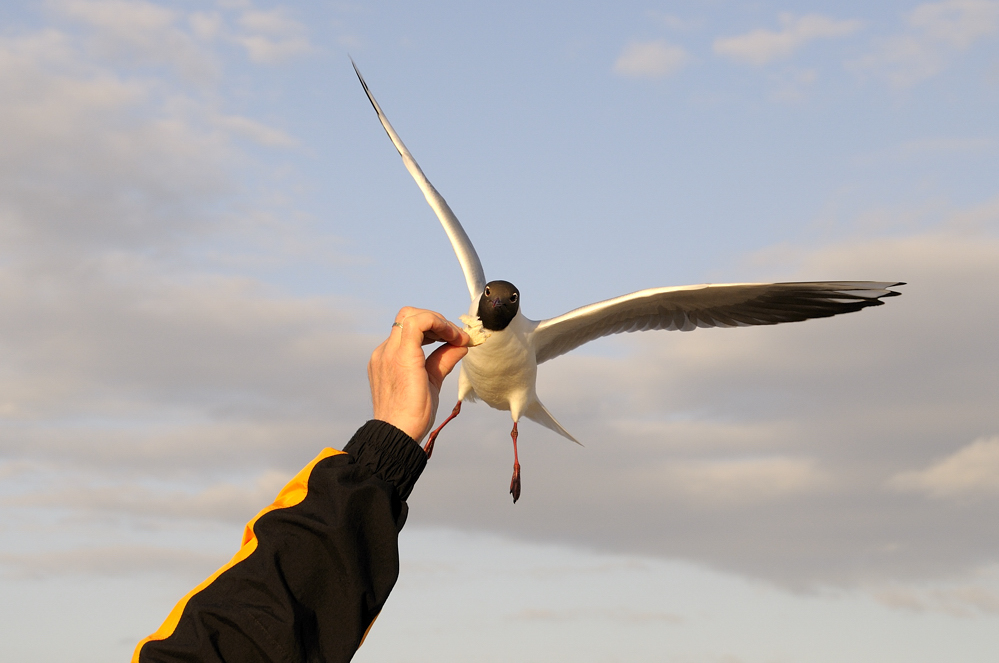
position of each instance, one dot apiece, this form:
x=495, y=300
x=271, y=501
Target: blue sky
x=204, y=232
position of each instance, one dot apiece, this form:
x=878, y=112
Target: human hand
x=405, y=386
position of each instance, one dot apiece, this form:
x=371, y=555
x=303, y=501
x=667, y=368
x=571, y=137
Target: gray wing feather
x=475, y=278
x=686, y=308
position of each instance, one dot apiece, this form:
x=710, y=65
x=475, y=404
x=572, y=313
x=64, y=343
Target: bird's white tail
x=538, y=413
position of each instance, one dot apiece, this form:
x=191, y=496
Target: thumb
x=442, y=361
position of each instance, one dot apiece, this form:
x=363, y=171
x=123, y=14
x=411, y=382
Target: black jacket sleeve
x=315, y=567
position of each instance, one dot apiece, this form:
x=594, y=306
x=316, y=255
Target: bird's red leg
x=515, y=481
x=429, y=446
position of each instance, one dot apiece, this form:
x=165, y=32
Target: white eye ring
x=487, y=291
x=513, y=297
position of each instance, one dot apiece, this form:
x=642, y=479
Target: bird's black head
x=498, y=305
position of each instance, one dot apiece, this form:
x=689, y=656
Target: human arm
x=317, y=565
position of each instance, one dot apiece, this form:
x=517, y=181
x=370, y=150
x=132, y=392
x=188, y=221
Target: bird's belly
x=501, y=374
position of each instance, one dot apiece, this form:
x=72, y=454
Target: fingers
x=442, y=361
x=422, y=326
x=405, y=384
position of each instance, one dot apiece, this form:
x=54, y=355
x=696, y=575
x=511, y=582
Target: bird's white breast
x=502, y=371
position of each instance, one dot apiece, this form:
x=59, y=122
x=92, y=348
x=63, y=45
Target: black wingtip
x=892, y=293
x=359, y=77
x=371, y=99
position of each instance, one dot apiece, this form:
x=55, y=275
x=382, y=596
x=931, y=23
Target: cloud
x=128, y=159
x=206, y=25
x=99, y=199
x=961, y=601
x=137, y=32
x=267, y=50
x=132, y=345
x=972, y=471
x=936, y=33
x=761, y=47
x=9, y=470
x=115, y=213
x=110, y=561
x=959, y=23
x=272, y=37
x=257, y=132
x=671, y=21
x=740, y=482
x=620, y=616
x=134, y=32
x=223, y=501
x=978, y=218
x=275, y=22
x=651, y=59
x=904, y=60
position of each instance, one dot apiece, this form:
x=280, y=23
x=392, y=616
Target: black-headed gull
x=502, y=370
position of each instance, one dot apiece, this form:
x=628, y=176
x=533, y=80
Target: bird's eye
x=487, y=291
x=513, y=297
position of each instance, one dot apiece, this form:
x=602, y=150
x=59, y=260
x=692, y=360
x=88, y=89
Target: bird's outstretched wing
x=475, y=278
x=685, y=308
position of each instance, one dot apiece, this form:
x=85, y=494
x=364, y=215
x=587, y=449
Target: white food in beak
x=473, y=327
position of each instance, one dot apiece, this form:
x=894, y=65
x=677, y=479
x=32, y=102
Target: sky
x=204, y=232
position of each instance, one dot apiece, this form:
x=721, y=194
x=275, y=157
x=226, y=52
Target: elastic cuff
x=390, y=454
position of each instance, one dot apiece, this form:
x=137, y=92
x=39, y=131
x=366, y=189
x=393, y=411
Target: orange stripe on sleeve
x=293, y=493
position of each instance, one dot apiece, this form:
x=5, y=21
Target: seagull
x=502, y=370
